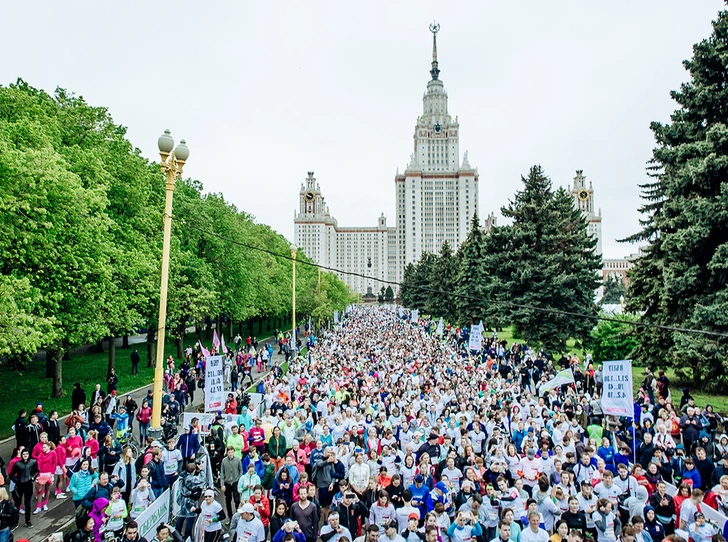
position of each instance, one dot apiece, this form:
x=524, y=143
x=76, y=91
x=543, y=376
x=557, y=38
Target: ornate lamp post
x=294, y=249
x=172, y=163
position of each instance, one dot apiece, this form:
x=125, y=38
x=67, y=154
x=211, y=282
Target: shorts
x=325, y=496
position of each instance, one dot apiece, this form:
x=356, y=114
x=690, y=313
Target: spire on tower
x=435, y=71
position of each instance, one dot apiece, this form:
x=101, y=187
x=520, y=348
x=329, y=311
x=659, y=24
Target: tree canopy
x=681, y=277
x=81, y=215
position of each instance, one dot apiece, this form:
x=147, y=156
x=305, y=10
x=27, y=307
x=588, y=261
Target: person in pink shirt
x=47, y=463
x=256, y=435
x=61, y=453
x=92, y=444
x=74, y=443
x=38, y=448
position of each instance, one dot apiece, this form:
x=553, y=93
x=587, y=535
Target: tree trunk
x=230, y=328
x=58, y=375
x=50, y=364
x=208, y=329
x=181, y=339
x=218, y=325
x=150, y=346
x=125, y=341
x=112, y=355
x=260, y=325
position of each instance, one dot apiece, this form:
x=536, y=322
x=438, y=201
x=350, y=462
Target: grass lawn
x=25, y=389
x=719, y=402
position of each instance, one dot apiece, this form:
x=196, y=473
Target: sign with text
x=475, y=341
x=158, y=512
x=617, y=399
x=214, y=384
x=204, y=421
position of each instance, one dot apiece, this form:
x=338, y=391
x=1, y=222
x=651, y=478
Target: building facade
x=436, y=198
x=584, y=197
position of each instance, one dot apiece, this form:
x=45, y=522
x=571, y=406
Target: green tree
x=612, y=340
x=407, y=286
x=547, y=262
x=614, y=291
x=471, y=277
x=443, y=278
x=681, y=278
x=421, y=293
x=389, y=295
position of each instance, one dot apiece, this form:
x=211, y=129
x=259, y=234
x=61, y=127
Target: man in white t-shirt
x=332, y=531
x=534, y=533
x=689, y=507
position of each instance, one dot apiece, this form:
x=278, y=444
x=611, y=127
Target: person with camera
x=290, y=531
x=352, y=512
x=466, y=527
x=192, y=483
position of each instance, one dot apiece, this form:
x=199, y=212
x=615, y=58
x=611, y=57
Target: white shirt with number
x=208, y=514
x=250, y=531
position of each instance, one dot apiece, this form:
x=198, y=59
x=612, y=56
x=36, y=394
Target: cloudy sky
x=266, y=91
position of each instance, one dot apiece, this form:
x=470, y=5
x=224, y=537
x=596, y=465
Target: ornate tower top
x=435, y=71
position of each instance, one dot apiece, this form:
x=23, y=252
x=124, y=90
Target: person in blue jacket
x=188, y=443
x=421, y=495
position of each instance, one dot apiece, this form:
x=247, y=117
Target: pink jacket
x=47, y=462
x=61, y=455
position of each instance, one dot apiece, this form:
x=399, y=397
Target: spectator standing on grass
x=135, y=359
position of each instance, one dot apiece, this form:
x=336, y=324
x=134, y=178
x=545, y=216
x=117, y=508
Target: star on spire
x=435, y=71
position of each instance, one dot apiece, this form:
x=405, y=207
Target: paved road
x=60, y=511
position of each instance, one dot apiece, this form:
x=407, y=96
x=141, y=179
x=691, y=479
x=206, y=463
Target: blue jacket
x=81, y=483
x=259, y=467
x=421, y=495
x=188, y=444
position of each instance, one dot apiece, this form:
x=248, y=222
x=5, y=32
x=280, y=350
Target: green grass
x=23, y=390
x=719, y=402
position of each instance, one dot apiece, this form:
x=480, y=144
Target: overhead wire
x=547, y=310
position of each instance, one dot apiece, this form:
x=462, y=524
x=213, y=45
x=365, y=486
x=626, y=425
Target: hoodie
x=97, y=513
x=636, y=503
x=654, y=527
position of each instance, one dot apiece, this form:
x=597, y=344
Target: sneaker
x=28, y=524
x=21, y=511
x=61, y=495
x=37, y=510
x=45, y=508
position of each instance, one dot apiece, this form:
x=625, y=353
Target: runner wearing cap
x=245, y=524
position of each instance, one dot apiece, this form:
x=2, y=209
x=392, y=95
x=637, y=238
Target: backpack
x=9, y=515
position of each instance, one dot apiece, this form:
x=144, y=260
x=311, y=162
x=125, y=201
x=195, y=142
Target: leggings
x=24, y=492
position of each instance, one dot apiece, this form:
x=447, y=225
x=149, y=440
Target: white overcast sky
x=265, y=91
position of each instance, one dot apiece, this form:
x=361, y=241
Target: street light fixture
x=172, y=163
x=294, y=249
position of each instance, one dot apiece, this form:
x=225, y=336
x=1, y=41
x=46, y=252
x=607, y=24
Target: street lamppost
x=293, y=292
x=172, y=163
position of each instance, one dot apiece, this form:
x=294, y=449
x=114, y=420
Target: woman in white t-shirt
x=212, y=515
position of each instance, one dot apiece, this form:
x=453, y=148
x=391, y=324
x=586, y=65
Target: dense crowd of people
x=390, y=430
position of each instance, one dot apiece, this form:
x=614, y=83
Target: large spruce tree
x=442, y=285
x=681, y=278
x=546, y=260
x=471, y=278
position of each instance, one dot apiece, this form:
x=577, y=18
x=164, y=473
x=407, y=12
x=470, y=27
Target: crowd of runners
x=388, y=430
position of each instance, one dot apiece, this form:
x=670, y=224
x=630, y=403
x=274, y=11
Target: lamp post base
x=155, y=433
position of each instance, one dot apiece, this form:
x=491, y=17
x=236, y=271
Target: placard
x=158, y=512
x=214, y=384
x=475, y=342
x=617, y=398
x=205, y=421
